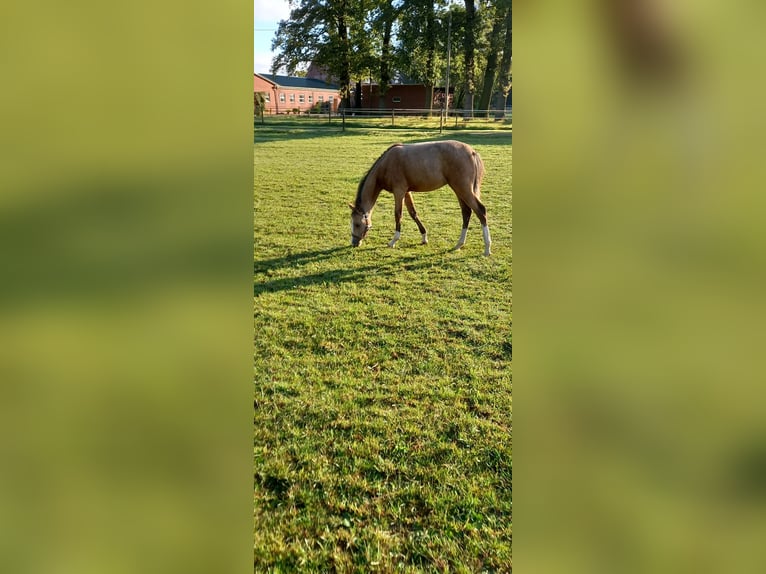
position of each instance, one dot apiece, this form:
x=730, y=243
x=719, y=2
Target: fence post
x=343, y=115
x=392, y=116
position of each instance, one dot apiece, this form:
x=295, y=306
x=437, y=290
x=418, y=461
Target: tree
x=504, y=77
x=388, y=15
x=259, y=100
x=320, y=31
x=422, y=43
x=469, y=53
x=496, y=36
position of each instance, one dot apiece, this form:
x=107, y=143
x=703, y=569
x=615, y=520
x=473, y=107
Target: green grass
x=382, y=412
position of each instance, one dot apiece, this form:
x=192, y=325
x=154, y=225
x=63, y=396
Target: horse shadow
x=342, y=273
x=294, y=259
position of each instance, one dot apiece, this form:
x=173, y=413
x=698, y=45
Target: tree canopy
x=389, y=40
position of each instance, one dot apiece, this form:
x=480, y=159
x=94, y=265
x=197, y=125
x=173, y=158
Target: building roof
x=295, y=82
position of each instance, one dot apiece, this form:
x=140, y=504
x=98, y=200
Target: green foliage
x=355, y=39
x=329, y=33
x=382, y=376
x=422, y=33
x=318, y=107
x=494, y=49
x=259, y=99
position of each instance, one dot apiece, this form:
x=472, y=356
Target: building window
x=292, y=98
x=320, y=98
x=396, y=100
x=282, y=97
x=311, y=98
x=267, y=97
x=302, y=98
x=329, y=99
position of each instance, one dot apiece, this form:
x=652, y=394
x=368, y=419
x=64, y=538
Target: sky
x=267, y=13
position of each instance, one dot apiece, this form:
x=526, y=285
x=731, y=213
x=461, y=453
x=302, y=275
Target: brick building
x=408, y=96
x=286, y=93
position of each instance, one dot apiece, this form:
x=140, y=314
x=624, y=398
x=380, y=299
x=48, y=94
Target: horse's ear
x=351, y=205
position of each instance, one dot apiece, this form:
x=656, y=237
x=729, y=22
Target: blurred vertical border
x=640, y=435
x=125, y=290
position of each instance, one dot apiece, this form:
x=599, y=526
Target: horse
x=403, y=169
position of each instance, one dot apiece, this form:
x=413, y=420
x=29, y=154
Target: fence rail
x=395, y=117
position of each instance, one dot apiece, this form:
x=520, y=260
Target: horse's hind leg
x=466, y=220
x=414, y=215
x=481, y=212
x=398, y=217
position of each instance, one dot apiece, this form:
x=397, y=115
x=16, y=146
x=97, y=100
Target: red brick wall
x=276, y=105
x=410, y=96
x=261, y=85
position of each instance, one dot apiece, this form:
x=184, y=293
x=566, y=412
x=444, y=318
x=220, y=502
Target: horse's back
x=459, y=163
x=426, y=166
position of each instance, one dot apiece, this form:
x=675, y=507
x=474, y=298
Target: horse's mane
x=358, y=200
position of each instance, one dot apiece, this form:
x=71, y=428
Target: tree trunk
x=490, y=72
x=358, y=94
x=504, y=81
x=430, y=98
x=345, y=68
x=385, y=58
x=430, y=56
x=469, y=47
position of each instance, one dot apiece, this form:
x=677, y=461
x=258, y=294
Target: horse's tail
x=478, y=174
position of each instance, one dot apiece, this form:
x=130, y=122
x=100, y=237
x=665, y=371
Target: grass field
x=382, y=416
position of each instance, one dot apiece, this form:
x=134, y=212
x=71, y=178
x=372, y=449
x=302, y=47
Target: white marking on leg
x=461, y=241
x=425, y=238
x=397, y=235
x=487, y=240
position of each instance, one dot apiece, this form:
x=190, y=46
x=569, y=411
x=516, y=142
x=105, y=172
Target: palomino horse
x=403, y=169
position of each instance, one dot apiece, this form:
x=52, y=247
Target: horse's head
x=360, y=225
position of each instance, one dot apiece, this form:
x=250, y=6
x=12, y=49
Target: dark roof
x=293, y=82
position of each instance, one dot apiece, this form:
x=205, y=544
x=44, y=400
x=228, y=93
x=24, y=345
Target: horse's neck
x=369, y=196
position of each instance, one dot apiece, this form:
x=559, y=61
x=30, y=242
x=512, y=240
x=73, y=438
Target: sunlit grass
x=382, y=376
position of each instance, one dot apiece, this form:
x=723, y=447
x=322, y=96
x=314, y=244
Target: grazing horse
x=427, y=166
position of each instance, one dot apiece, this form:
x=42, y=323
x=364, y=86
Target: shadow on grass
x=265, y=134
x=293, y=259
x=296, y=131
x=503, y=138
x=343, y=273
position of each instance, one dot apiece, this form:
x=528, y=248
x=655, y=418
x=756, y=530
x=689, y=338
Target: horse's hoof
x=424, y=242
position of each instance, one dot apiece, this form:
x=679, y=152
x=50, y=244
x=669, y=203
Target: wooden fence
x=393, y=117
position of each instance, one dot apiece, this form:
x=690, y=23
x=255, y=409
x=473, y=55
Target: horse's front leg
x=398, y=217
x=414, y=215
